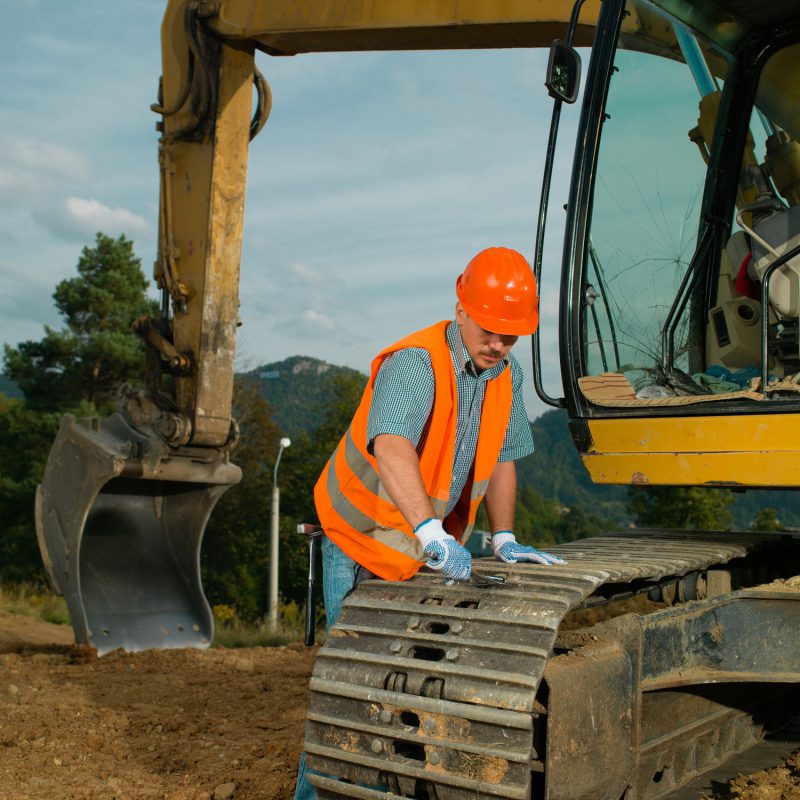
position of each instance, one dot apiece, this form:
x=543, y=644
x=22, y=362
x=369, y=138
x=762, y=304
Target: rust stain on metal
x=442, y=726
x=476, y=766
x=639, y=478
x=342, y=632
x=344, y=740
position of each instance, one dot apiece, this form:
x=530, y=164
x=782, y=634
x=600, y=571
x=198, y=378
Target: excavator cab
x=681, y=270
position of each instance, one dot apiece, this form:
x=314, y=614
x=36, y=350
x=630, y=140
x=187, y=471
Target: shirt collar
x=461, y=360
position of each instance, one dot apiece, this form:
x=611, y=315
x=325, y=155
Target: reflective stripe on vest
x=352, y=503
x=366, y=473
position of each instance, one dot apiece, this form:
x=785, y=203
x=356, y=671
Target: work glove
x=444, y=553
x=506, y=548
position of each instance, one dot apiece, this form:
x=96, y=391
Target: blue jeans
x=339, y=575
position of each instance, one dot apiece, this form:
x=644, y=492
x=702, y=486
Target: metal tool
x=484, y=581
x=478, y=580
x=314, y=534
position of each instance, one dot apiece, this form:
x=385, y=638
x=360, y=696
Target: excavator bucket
x=119, y=520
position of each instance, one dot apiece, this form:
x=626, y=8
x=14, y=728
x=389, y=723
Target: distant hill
x=8, y=387
x=555, y=471
x=298, y=389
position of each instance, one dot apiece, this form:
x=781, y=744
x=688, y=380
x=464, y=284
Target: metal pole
x=274, y=555
x=273, y=558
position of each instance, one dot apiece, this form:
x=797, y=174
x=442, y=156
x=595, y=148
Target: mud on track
x=174, y=724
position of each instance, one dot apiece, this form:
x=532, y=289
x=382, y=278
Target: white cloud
x=317, y=320
x=31, y=170
x=39, y=156
x=54, y=45
x=305, y=273
x=91, y=216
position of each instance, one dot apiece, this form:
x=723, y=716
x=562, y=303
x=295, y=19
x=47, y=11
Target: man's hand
x=444, y=553
x=506, y=548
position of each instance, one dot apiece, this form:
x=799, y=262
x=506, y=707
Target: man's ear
x=460, y=313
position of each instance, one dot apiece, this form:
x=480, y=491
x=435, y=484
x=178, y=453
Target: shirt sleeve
x=402, y=397
x=518, y=441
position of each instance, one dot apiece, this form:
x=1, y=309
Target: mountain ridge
x=554, y=470
x=299, y=388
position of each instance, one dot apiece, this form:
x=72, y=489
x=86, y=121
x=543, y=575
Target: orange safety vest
x=353, y=506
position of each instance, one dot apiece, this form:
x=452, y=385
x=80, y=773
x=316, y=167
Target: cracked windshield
x=647, y=202
x=643, y=318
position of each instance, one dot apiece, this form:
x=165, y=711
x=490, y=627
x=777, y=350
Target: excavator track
x=432, y=691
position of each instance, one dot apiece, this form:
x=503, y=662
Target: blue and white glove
x=506, y=548
x=444, y=553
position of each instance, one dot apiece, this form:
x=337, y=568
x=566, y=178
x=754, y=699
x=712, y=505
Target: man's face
x=486, y=349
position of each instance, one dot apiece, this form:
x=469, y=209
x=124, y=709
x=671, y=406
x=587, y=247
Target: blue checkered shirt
x=403, y=399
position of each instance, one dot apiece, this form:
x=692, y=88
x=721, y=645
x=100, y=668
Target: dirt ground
x=168, y=724
x=175, y=725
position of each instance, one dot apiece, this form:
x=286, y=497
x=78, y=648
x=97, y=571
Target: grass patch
x=231, y=631
x=31, y=601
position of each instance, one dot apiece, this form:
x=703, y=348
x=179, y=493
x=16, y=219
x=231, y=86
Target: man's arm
x=398, y=467
x=501, y=496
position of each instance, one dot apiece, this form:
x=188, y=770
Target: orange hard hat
x=498, y=291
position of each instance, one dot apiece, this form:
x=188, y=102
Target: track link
x=427, y=690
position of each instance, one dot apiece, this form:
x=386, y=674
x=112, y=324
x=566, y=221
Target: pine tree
x=74, y=369
x=96, y=349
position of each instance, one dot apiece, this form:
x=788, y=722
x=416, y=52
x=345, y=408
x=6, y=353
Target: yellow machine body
x=735, y=451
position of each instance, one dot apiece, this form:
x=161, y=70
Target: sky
x=376, y=179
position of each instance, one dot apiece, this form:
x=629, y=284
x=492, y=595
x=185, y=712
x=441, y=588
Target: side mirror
x=563, y=72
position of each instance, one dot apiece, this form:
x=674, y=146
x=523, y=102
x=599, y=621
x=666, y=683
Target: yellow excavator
x=652, y=655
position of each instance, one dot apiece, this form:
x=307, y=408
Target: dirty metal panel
x=758, y=469
x=466, y=749
x=202, y=214
x=687, y=732
x=729, y=434
x=290, y=27
x=481, y=654
x=590, y=744
x=740, y=637
x=461, y=682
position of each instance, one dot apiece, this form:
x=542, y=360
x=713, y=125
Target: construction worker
x=438, y=429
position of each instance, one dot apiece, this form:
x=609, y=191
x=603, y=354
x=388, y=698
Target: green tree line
x=77, y=368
